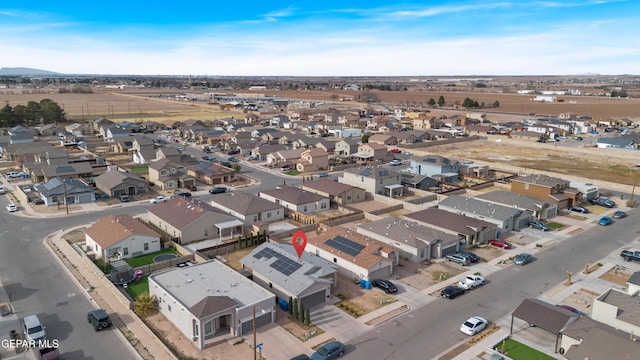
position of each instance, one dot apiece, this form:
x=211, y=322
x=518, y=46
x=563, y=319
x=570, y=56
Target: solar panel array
x=345, y=245
x=282, y=264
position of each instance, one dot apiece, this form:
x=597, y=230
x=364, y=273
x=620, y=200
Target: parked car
x=499, y=243
x=12, y=208
x=474, y=258
x=329, y=351
x=452, y=292
x=217, y=190
x=226, y=164
x=123, y=198
x=2, y=191
x=471, y=281
x=192, y=188
x=13, y=175
x=252, y=158
x=522, y=259
x=619, y=214
x=183, y=194
x=322, y=175
x=233, y=152
x=396, y=151
x=538, y=225
x=473, y=325
x=603, y=201
x=158, y=199
x=395, y=162
x=38, y=201
x=301, y=357
x=579, y=209
x=459, y=259
x=385, y=285
x=99, y=319
x=233, y=159
x=605, y=221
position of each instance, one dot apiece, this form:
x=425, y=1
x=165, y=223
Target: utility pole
x=66, y=204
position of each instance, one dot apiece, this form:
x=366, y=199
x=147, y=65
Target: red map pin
x=299, y=241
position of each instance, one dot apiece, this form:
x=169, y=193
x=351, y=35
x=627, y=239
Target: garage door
x=313, y=299
x=379, y=274
x=247, y=326
x=448, y=249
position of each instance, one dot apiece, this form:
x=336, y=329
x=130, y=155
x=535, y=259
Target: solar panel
x=282, y=264
x=365, y=172
x=345, y=245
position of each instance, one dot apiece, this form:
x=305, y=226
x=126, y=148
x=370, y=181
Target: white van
x=33, y=329
x=13, y=175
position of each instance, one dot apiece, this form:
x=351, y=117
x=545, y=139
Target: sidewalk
x=102, y=295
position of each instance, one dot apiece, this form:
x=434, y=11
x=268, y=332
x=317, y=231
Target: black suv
x=217, y=190
x=474, y=258
x=580, y=209
x=99, y=319
x=385, y=285
x=602, y=201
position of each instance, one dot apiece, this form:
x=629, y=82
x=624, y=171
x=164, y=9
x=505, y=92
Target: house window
x=270, y=285
x=526, y=186
x=125, y=251
x=268, y=215
x=163, y=172
x=305, y=208
x=146, y=246
x=206, y=232
x=169, y=307
x=335, y=260
x=348, y=197
x=255, y=218
x=323, y=205
x=362, y=178
x=317, y=252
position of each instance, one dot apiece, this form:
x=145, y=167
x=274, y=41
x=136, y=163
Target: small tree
x=441, y=101
x=307, y=316
x=300, y=317
x=146, y=305
x=295, y=309
x=290, y=309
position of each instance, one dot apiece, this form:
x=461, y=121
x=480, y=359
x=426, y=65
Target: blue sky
x=322, y=38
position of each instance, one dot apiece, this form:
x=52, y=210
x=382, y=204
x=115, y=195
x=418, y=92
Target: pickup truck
x=629, y=255
x=49, y=354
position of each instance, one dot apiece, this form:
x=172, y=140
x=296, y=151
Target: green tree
x=496, y=103
x=431, y=102
x=32, y=113
x=51, y=112
x=365, y=138
x=290, y=309
x=7, y=117
x=441, y=101
x=19, y=113
x=236, y=167
x=307, y=316
x=300, y=317
x=295, y=309
x=146, y=305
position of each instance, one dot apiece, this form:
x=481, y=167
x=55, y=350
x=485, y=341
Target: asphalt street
x=428, y=331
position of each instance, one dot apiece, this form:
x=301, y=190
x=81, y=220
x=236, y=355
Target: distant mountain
x=20, y=71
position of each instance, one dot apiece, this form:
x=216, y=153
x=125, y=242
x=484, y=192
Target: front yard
x=518, y=351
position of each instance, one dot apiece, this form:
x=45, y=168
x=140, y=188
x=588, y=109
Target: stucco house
x=371, y=152
x=211, y=173
x=60, y=191
x=539, y=209
x=188, y=220
x=357, y=256
x=374, y=180
x=313, y=159
x=335, y=191
x=414, y=241
x=117, y=237
x=296, y=199
x=210, y=301
x=116, y=183
x=506, y=218
x=249, y=208
x=347, y=146
x=436, y=165
x=547, y=188
x=169, y=175
x=474, y=231
x=277, y=268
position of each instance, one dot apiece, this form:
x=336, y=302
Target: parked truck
x=629, y=255
x=49, y=354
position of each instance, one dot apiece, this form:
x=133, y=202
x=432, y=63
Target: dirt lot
x=357, y=301
x=421, y=276
x=581, y=299
x=617, y=275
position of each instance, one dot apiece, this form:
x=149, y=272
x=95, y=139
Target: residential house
x=211, y=173
x=413, y=241
x=122, y=145
x=314, y=159
x=169, y=175
x=347, y=147
x=371, y=152
x=474, y=231
x=210, y=301
x=416, y=181
x=278, y=269
x=616, y=143
x=327, y=145
x=249, y=208
x=262, y=149
x=356, y=256
x=374, y=180
x=539, y=209
x=547, y=188
x=188, y=220
x=506, y=218
x=61, y=191
x=100, y=124
x=336, y=192
x=117, y=237
x=112, y=133
x=589, y=339
x=77, y=129
x=74, y=170
x=383, y=139
x=170, y=153
x=296, y=199
x=50, y=130
x=436, y=166
x=116, y=183
x=284, y=157
x=616, y=308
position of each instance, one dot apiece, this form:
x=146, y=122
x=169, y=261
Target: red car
x=396, y=151
x=500, y=243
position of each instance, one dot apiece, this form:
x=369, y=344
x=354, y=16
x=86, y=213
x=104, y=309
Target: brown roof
x=112, y=229
x=597, y=341
x=366, y=258
x=180, y=212
x=244, y=203
x=212, y=305
x=444, y=219
x=544, y=315
x=293, y=195
x=327, y=186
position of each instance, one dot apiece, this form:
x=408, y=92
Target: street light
x=255, y=343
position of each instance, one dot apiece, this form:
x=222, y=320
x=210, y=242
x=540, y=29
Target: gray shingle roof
x=444, y=219
x=512, y=199
x=407, y=232
x=179, y=212
x=293, y=195
x=243, y=203
x=479, y=207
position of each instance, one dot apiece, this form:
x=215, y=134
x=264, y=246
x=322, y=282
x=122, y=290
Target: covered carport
x=545, y=316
